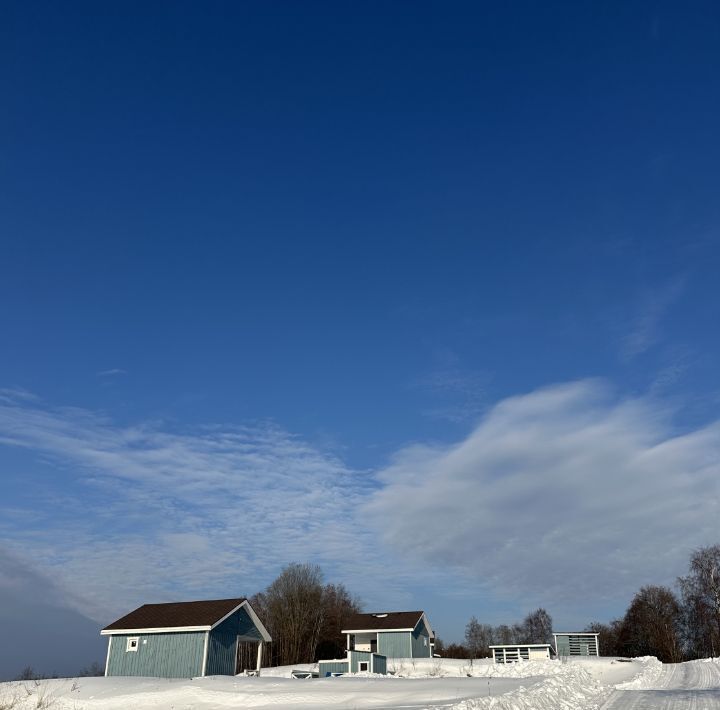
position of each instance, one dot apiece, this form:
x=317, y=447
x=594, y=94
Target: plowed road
x=687, y=686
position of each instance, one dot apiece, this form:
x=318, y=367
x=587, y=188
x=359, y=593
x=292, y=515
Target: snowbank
x=570, y=687
x=650, y=671
x=579, y=684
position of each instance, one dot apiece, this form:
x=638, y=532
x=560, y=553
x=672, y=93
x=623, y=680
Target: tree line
x=674, y=625
x=536, y=627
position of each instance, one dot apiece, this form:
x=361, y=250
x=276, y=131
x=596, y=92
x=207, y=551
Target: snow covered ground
x=694, y=685
x=582, y=684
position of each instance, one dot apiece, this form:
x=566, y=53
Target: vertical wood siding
x=395, y=644
x=355, y=657
x=328, y=667
x=222, y=643
x=246, y=628
x=172, y=655
x=421, y=641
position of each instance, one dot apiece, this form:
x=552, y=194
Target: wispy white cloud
x=565, y=494
x=644, y=328
x=114, y=372
x=143, y=512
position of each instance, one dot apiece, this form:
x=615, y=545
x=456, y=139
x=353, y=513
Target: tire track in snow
x=684, y=686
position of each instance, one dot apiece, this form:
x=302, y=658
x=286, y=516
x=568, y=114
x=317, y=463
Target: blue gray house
x=183, y=639
x=393, y=634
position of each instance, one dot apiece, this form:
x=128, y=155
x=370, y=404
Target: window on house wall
x=132, y=643
x=363, y=666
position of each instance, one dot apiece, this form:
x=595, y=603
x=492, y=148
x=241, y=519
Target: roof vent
x=379, y=616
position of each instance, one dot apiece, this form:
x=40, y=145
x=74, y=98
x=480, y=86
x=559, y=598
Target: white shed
x=511, y=653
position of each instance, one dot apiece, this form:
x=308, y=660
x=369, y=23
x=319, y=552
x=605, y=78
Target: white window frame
x=129, y=647
x=361, y=664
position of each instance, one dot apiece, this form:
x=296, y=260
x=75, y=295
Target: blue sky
x=358, y=285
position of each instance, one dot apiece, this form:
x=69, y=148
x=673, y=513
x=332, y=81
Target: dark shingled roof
x=384, y=620
x=161, y=616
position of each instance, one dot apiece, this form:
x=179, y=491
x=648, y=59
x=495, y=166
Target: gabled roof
x=386, y=621
x=182, y=616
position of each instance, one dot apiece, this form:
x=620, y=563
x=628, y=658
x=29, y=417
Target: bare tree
x=504, y=634
x=700, y=591
x=27, y=673
x=478, y=638
x=291, y=608
x=537, y=627
x=456, y=650
x=304, y=617
x=608, y=636
x=338, y=605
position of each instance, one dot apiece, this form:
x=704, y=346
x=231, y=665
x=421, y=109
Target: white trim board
x=155, y=630
x=251, y=612
x=205, y=653
x=374, y=631
x=107, y=658
x=522, y=645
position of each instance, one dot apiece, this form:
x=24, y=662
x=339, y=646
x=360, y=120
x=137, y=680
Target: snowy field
x=581, y=684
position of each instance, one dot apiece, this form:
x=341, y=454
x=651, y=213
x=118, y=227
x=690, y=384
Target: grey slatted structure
x=577, y=643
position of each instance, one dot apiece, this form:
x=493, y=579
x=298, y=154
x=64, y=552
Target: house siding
x=222, y=644
x=247, y=631
x=171, y=655
x=421, y=641
x=379, y=664
x=355, y=657
x=395, y=644
x=328, y=667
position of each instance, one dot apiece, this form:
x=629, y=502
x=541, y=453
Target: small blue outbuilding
x=356, y=662
x=183, y=639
